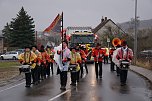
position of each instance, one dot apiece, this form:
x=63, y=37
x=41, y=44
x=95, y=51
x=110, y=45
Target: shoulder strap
x=123, y=53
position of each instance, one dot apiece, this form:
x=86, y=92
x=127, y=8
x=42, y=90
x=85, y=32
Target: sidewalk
x=142, y=71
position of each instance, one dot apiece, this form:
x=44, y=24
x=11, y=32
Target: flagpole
x=62, y=31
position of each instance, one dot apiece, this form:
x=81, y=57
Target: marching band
x=36, y=63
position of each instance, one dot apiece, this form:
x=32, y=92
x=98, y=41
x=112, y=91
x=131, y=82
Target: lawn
x=9, y=64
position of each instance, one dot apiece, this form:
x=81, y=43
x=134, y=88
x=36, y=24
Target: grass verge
x=9, y=64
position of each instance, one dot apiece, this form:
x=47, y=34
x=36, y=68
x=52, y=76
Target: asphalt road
x=89, y=89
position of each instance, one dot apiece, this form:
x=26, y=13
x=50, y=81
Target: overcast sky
x=76, y=12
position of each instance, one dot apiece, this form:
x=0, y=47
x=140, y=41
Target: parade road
x=89, y=89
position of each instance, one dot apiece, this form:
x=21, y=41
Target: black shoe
x=62, y=88
x=118, y=74
x=42, y=78
x=28, y=86
x=73, y=84
x=36, y=83
x=100, y=77
x=32, y=82
x=123, y=84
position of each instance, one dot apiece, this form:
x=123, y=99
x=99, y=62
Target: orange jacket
x=83, y=55
x=50, y=55
x=98, y=54
x=45, y=57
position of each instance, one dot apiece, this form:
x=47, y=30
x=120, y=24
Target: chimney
x=102, y=20
x=105, y=18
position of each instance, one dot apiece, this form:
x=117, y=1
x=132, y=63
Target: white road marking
x=59, y=95
x=11, y=87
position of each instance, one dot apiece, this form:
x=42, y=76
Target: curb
x=141, y=74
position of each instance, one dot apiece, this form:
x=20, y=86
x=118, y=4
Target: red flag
x=54, y=26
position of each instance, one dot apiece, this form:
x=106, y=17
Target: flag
x=55, y=26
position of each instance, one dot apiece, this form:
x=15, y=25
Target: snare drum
x=72, y=67
x=124, y=64
x=25, y=69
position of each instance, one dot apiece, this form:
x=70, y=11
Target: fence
x=144, y=59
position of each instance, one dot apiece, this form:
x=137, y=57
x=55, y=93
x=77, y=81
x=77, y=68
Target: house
x=1, y=42
x=105, y=28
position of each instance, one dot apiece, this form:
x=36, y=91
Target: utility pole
x=135, y=36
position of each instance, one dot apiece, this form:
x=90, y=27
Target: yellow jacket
x=28, y=58
x=39, y=57
x=75, y=59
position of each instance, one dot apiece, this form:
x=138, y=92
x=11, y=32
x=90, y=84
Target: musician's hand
x=101, y=55
x=30, y=63
x=39, y=64
x=64, y=60
x=77, y=64
x=121, y=60
x=59, y=52
x=23, y=62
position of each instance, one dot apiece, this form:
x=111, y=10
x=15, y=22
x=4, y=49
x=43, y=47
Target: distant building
x=107, y=24
x=1, y=42
x=105, y=28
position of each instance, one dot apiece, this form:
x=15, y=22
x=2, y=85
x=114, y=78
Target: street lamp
x=135, y=37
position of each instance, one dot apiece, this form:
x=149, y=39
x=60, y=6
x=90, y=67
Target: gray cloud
x=76, y=12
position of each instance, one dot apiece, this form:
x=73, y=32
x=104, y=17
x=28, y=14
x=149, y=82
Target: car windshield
x=84, y=39
x=7, y=53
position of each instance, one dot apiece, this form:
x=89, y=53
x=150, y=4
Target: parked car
x=20, y=50
x=146, y=53
x=10, y=55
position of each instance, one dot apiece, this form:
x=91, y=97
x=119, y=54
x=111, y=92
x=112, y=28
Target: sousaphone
x=116, y=42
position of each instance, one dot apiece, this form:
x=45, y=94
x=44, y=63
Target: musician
x=44, y=60
x=106, y=55
x=52, y=52
x=124, y=54
x=115, y=60
x=66, y=57
x=28, y=58
x=36, y=70
x=112, y=66
x=75, y=61
x=48, y=61
x=98, y=54
x=83, y=61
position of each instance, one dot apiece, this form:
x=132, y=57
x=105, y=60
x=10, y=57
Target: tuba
x=116, y=42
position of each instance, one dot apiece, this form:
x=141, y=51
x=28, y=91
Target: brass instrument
x=116, y=42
